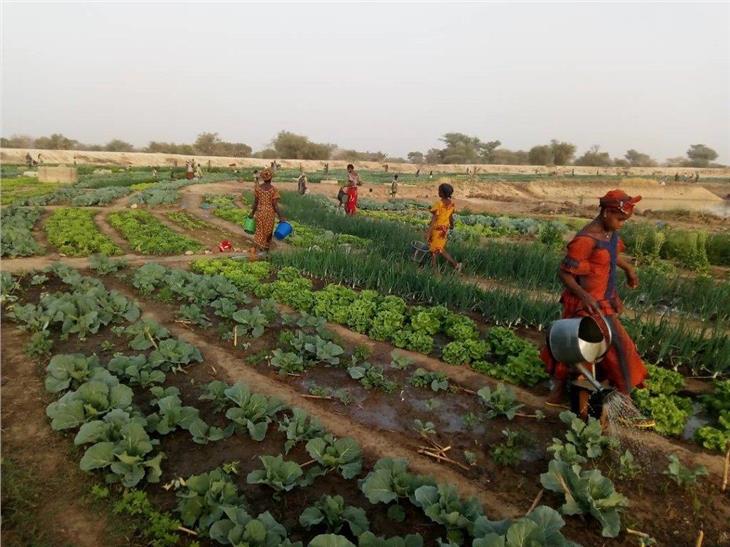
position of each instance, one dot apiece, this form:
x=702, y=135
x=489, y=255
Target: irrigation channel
x=281, y=333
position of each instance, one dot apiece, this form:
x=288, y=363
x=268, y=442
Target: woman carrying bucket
x=265, y=209
x=589, y=275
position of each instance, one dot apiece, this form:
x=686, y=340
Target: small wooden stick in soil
x=535, y=501
x=443, y=458
x=637, y=533
x=187, y=530
x=700, y=538
x=727, y=468
x=323, y=397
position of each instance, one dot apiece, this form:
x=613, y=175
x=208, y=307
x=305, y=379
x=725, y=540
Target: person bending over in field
x=442, y=220
x=265, y=209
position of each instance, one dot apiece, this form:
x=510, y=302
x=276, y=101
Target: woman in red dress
x=589, y=275
x=353, y=181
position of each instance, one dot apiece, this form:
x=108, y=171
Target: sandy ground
x=72, y=157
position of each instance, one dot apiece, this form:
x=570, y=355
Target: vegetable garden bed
x=148, y=235
x=667, y=518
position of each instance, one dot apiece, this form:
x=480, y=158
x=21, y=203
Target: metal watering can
x=579, y=342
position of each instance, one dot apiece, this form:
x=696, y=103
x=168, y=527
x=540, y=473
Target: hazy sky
x=655, y=77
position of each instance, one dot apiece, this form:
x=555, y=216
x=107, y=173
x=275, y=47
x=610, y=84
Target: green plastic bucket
x=249, y=225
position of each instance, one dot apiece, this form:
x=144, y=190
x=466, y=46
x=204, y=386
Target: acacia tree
x=594, y=157
x=540, y=155
x=700, y=155
x=118, y=145
x=637, y=159
x=415, y=157
x=292, y=146
x=562, y=152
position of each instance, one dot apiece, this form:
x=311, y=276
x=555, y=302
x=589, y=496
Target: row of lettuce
x=96, y=402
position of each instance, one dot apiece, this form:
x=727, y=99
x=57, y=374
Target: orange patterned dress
x=593, y=263
x=265, y=216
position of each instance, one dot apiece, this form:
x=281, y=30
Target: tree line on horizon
x=459, y=149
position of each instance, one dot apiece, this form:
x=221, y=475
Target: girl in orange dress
x=589, y=275
x=442, y=219
x=265, y=210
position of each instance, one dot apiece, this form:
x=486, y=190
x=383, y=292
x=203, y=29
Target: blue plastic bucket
x=283, y=229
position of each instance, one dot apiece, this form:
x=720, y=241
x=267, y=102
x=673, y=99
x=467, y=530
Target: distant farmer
x=326, y=168
x=256, y=177
x=394, y=186
x=418, y=172
x=353, y=181
x=430, y=175
x=172, y=174
x=265, y=210
x=198, y=172
x=189, y=173
x=28, y=160
x=302, y=184
x=385, y=167
x=442, y=220
x=154, y=174
x=588, y=273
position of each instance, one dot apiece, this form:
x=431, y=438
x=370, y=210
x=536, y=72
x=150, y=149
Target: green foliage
x=252, y=411
x=670, y=412
x=683, y=476
x=238, y=528
x=121, y=446
x=299, y=427
x=662, y=381
x=277, y=473
x=443, y=505
x=341, y=454
x=628, y=468
x=145, y=334
x=368, y=539
x=583, y=440
x=719, y=400
x=371, y=376
x=147, y=235
x=540, y=527
x=715, y=438
x=456, y=353
x=390, y=480
x=16, y=236
x=250, y=322
x=172, y=352
x=159, y=528
x=508, y=453
x=74, y=233
x=69, y=371
x=92, y=400
x=205, y=497
x=436, y=381
x=332, y=512
x=501, y=401
x=103, y=265
x=586, y=492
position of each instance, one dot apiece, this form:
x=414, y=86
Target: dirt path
x=31, y=444
x=105, y=228
x=20, y=265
